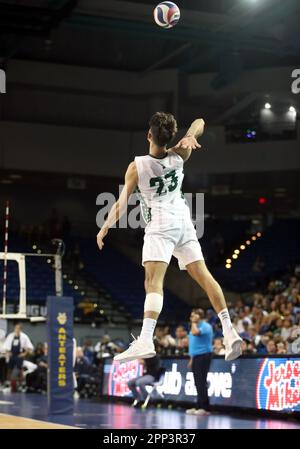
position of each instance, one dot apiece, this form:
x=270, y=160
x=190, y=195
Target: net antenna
x=6, y=227
x=20, y=258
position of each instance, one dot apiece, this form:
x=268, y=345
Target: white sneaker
x=201, y=412
x=138, y=349
x=76, y=395
x=190, y=411
x=233, y=345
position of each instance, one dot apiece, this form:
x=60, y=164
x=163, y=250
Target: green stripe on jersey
x=146, y=211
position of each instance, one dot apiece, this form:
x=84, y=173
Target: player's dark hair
x=163, y=128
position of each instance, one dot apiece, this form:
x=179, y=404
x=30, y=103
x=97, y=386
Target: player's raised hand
x=100, y=236
x=188, y=143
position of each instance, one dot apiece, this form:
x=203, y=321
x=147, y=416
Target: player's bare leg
x=143, y=347
x=199, y=272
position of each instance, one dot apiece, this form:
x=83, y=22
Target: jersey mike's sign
x=254, y=383
x=278, y=385
x=119, y=375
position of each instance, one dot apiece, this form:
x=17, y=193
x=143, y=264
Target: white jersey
x=159, y=187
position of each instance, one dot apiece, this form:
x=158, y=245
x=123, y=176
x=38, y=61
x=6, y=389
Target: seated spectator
x=105, y=348
x=262, y=344
x=211, y=317
x=245, y=331
x=286, y=329
x=36, y=381
x=82, y=369
x=271, y=347
x=218, y=347
x=17, y=346
x=138, y=385
x=88, y=350
x=167, y=340
x=242, y=319
x=281, y=348
x=164, y=341
x=38, y=352
x=182, y=340
x=250, y=348
x=294, y=339
x=218, y=333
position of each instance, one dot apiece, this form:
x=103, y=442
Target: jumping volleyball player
x=158, y=177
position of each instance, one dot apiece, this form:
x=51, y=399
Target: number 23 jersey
x=159, y=189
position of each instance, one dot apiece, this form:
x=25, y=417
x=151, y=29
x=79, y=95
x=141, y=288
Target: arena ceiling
x=217, y=35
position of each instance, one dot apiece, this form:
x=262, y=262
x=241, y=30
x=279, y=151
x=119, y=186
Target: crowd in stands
x=268, y=322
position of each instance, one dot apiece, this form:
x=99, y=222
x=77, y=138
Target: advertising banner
x=269, y=383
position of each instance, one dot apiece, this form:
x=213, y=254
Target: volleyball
x=166, y=14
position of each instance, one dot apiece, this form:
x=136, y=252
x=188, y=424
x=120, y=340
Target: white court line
x=6, y=403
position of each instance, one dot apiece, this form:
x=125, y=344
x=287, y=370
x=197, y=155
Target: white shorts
x=178, y=240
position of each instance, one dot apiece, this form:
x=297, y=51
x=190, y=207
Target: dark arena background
x=79, y=81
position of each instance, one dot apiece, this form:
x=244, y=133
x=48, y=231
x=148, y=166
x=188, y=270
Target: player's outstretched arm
x=120, y=206
x=189, y=141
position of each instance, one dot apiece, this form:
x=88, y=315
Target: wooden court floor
x=17, y=422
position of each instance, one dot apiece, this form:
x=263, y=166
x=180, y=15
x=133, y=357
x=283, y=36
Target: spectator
x=138, y=385
x=105, y=348
x=261, y=344
x=167, y=341
x=36, y=381
x=38, y=352
x=294, y=340
x=281, y=348
x=211, y=317
x=245, y=334
x=250, y=348
x=243, y=318
x=218, y=347
x=286, y=329
x=182, y=341
x=271, y=347
x=82, y=369
x=17, y=345
x=88, y=350
x=200, y=351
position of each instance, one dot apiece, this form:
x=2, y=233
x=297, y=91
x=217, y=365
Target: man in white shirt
x=17, y=346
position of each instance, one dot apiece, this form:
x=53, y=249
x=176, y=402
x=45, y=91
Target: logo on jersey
x=278, y=385
x=119, y=376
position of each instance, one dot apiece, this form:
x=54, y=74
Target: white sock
x=148, y=329
x=225, y=320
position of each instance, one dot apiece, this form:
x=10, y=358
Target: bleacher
x=125, y=281
x=278, y=247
